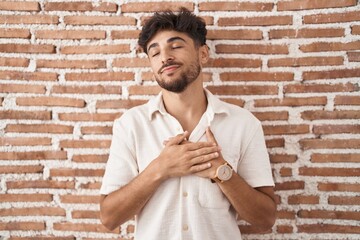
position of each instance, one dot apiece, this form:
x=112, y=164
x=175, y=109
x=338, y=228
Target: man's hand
x=215, y=162
x=180, y=157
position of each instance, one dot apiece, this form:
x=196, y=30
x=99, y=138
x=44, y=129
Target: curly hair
x=185, y=22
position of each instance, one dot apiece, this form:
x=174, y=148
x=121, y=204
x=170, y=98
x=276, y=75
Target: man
x=185, y=164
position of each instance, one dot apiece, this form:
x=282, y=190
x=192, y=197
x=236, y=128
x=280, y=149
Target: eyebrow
x=173, y=39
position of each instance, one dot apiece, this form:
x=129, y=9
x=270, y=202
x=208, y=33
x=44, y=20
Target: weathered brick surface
x=68, y=69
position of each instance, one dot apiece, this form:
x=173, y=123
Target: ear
x=204, y=54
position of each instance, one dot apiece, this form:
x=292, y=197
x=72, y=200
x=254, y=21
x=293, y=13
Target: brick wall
x=69, y=68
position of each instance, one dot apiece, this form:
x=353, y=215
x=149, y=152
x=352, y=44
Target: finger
x=204, y=158
x=200, y=167
x=177, y=139
x=210, y=136
x=191, y=146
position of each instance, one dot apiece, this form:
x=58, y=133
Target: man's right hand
x=180, y=157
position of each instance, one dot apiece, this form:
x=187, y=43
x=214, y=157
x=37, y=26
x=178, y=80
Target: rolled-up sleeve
x=121, y=166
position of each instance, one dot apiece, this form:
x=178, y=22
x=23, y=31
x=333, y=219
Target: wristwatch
x=223, y=173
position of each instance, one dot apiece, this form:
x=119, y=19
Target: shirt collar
x=215, y=106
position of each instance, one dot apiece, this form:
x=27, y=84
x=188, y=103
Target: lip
x=170, y=68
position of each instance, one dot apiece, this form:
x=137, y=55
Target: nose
x=166, y=57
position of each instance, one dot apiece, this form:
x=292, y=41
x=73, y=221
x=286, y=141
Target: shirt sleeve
x=255, y=166
x=121, y=166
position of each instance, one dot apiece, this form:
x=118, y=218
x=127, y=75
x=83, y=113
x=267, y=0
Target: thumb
x=177, y=139
x=210, y=136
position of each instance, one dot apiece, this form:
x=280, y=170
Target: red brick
x=93, y=89
x=79, y=199
x=22, y=141
x=90, y=158
x=22, y=226
x=336, y=129
x=344, y=200
x=155, y=6
x=85, y=143
x=319, y=114
x=14, y=62
x=303, y=199
x=144, y=90
x=313, y=88
x=243, y=90
x=96, y=130
x=35, y=211
x=339, y=187
x=83, y=64
x=306, y=33
x=42, y=237
x=257, y=76
x=34, y=155
x=234, y=101
x=31, y=76
x=284, y=229
x=348, y=16
x=328, y=228
x=27, y=48
x=291, y=102
x=285, y=172
x=94, y=49
x=29, y=19
x=330, y=46
x=347, y=100
x=353, y=56
x=50, y=101
x=234, y=63
x=19, y=6
x=331, y=74
x=33, y=197
x=305, y=61
x=242, y=34
x=70, y=34
x=310, y=4
x=329, y=143
x=236, y=6
x=355, y=30
x=255, y=21
x=275, y=142
x=100, y=76
x=95, y=185
x=286, y=129
x=131, y=62
x=252, y=49
x=125, y=34
x=21, y=170
x=272, y=116
x=14, y=33
x=65, y=172
x=293, y=185
x=22, y=88
x=83, y=227
x=339, y=172
x=81, y=214
x=40, y=184
x=329, y=158
x=99, y=20
x=80, y=6
x=329, y=214
x=119, y=104
x=35, y=115
x=282, y=158
x=93, y=117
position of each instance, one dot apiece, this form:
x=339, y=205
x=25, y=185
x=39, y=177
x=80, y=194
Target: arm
x=255, y=205
x=122, y=204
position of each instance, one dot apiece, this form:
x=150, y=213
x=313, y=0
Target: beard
x=186, y=77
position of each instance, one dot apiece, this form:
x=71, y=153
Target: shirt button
x=185, y=227
x=185, y=194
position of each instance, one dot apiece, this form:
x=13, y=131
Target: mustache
x=167, y=64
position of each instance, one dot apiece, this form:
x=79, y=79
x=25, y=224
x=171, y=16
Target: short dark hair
x=185, y=22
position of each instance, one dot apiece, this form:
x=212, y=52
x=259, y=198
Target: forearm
x=122, y=204
x=254, y=206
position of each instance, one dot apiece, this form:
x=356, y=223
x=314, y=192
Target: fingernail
x=209, y=165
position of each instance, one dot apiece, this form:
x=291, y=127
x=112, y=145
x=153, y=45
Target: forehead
x=162, y=37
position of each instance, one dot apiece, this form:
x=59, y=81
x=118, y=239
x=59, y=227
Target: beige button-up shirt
x=190, y=207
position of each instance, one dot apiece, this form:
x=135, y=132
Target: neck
x=187, y=107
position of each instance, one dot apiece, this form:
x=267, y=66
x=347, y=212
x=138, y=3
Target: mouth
x=169, y=68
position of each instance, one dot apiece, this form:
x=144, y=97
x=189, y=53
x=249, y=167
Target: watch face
x=224, y=172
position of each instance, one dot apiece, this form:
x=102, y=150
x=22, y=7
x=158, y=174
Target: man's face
x=174, y=60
